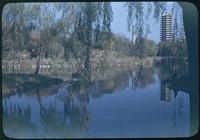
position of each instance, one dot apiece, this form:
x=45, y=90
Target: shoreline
x=12, y=83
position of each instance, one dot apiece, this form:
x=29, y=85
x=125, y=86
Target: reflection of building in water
x=165, y=94
x=133, y=81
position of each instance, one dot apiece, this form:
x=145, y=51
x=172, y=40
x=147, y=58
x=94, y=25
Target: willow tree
x=80, y=41
x=49, y=29
x=42, y=24
x=91, y=19
x=107, y=19
x=14, y=37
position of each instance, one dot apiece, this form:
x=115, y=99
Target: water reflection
x=105, y=107
x=173, y=75
x=142, y=77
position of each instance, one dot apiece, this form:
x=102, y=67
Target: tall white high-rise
x=166, y=27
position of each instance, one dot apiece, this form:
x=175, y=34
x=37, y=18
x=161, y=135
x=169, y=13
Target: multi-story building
x=166, y=27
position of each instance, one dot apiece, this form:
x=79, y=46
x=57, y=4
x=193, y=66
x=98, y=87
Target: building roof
x=166, y=14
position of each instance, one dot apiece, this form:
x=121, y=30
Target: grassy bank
x=12, y=83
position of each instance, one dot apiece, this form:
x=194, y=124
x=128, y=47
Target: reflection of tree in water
x=171, y=69
x=177, y=113
x=83, y=89
x=180, y=105
x=65, y=124
x=68, y=122
x=142, y=77
x=118, y=82
x=173, y=76
x=66, y=118
x=17, y=121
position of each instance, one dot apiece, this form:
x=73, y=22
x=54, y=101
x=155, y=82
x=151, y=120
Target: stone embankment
x=99, y=59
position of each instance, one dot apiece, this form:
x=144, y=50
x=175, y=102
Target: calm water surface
x=144, y=102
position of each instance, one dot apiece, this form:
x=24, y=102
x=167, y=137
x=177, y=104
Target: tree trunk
x=13, y=66
x=87, y=64
x=38, y=62
x=190, y=20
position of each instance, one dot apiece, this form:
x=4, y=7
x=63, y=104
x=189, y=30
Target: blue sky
x=119, y=23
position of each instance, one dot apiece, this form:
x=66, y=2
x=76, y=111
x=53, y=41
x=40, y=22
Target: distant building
x=133, y=36
x=166, y=27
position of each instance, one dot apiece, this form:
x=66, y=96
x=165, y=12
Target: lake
x=142, y=102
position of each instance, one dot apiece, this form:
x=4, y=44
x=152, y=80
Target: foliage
x=90, y=31
x=120, y=44
x=178, y=28
x=147, y=48
x=172, y=48
x=14, y=35
x=136, y=15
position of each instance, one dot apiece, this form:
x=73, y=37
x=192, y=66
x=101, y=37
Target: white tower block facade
x=166, y=27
